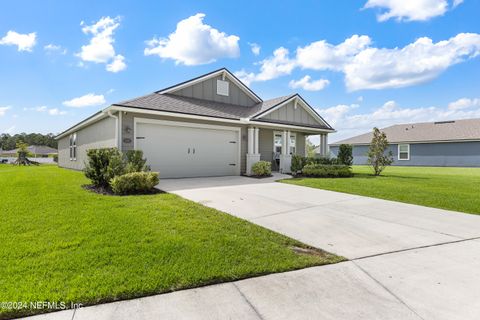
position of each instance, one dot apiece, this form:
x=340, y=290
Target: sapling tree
x=376, y=152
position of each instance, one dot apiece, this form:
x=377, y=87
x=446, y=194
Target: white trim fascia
x=398, y=151
x=304, y=105
x=137, y=120
x=307, y=130
x=222, y=72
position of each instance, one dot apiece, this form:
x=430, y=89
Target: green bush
x=345, y=154
x=262, y=169
x=103, y=165
x=298, y=162
x=327, y=171
x=134, y=183
x=135, y=161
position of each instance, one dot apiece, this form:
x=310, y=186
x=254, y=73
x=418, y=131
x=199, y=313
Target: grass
x=61, y=243
x=455, y=189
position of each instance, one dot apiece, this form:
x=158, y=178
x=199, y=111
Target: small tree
x=376, y=153
x=310, y=148
x=22, y=154
x=345, y=154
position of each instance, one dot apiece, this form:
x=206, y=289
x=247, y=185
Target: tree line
x=9, y=142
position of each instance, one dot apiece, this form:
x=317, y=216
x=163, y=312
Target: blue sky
x=368, y=63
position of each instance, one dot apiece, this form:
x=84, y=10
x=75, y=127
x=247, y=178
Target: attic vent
x=222, y=88
x=443, y=122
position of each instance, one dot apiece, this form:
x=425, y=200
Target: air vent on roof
x=443, y=122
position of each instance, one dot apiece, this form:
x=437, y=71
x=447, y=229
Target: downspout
x=111, y=115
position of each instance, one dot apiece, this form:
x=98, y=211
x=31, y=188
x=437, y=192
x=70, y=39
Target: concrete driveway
x=427, y=260
x=407, y=262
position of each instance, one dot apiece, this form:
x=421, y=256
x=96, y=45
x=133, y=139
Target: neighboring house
x=444, y=143
x=35, y=151
x=212, y=125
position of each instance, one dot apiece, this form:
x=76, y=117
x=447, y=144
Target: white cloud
x=306, y=83
x=4, y=110
x=41, y=108
x=255, y=47
x=10, y=130
x=273, y=67
x=321, y=55
x=118, y=64
x=456, y=3
x=100, y=48
x=51, y=48
x=409, y=10
x=464, y=103
x=56, y=112
x=87, y=100
x=194, y=43
x=349, y=123
x=415, y=63
x=24, y=42
x=367, y=67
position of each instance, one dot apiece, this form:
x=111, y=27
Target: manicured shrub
x=103, y=165
x=135, y=161
x=134, y=183
x=262, y=169
x=298, y=163
x=345, y=154
x=327, y=171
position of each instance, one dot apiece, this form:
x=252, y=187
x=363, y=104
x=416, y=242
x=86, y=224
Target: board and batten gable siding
x=289, y=113
x=129, y=137
x=445, y=154
x=100, y=134
x=207, y=90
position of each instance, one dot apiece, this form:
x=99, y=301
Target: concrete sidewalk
x=407, y=261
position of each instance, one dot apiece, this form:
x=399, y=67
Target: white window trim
x=289, y=142
x=274, y=134
x=408, y=151
x=73, y=146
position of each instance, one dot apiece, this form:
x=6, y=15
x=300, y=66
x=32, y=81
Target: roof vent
x=222, y=88
x=444, y=122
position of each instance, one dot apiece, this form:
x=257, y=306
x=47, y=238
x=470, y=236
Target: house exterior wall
x=207, y=90
x=288, y=113
x=100, y=134
x=128, y=138
x=265, y=141
x=447, y=154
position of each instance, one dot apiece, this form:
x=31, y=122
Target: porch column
x=285, y=157
x=252, y=151
x=256, y=132
x=250, y=140
x=327, y=148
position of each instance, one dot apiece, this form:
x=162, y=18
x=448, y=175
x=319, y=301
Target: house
x=443, y=143
x=212, y=125
x=35, y=151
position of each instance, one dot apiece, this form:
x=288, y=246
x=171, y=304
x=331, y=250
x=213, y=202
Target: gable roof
x=34, y=149
x=455, y=130
x=221, y=71
x=184, y=105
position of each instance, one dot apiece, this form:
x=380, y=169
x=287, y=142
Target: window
x=293, y=143
x=403, y=152
x=277, y=142
x=222, y=88
x=73, y=146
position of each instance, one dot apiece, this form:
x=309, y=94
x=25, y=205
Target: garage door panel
x=180, y=151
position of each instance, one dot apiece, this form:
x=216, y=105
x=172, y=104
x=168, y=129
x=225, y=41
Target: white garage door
x=177, y=149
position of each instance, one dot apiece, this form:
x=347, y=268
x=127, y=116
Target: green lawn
x=455, y=189
x=60, y=242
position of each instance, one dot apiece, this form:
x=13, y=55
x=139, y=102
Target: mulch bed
x=258, y=177
x=109, y=192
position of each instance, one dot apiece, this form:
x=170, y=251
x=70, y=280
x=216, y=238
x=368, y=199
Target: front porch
x=277, y=146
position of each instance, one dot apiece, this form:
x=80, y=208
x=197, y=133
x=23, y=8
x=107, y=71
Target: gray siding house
x=443, y=143
x=212, y=125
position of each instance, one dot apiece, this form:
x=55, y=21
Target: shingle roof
x=468, y=129
x=178, y=104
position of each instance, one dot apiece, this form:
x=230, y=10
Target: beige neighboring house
x=213, y=125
